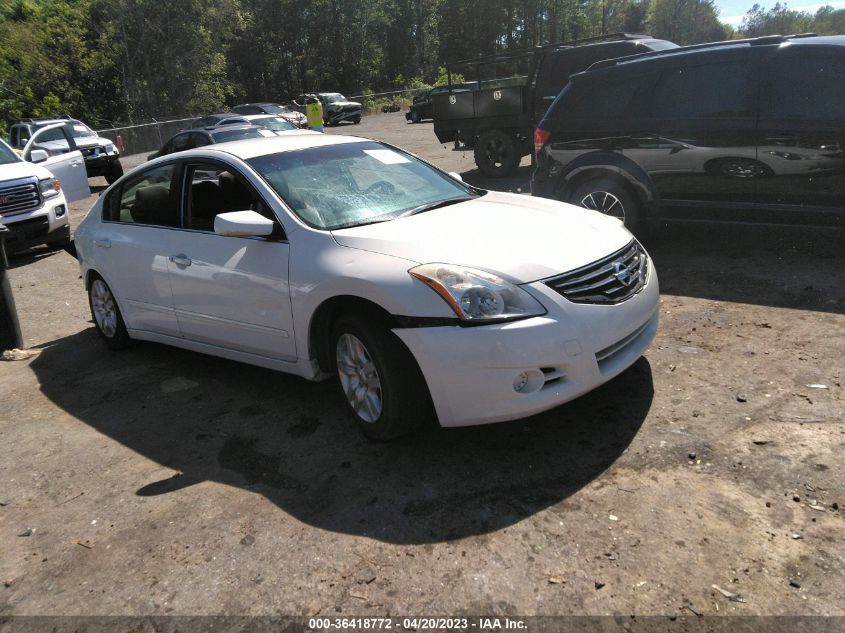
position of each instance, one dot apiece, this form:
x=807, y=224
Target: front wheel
x=379, y=378
x=115, y=172
x=608, y=196
x=107, y=315
x=415, y=116
x=495, y=154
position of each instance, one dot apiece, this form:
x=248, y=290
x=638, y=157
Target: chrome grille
x=19, y=196
x=612, y=279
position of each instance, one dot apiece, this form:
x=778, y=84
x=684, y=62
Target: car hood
x=22, y=169
x=518, y=237
x=343, y=104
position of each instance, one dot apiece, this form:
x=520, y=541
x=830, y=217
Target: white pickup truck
x=35, y=190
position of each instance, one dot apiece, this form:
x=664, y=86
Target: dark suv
x=742, y=131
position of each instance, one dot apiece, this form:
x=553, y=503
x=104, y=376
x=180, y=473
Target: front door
x=68, y=168
x=802, y=136
x=230, y=292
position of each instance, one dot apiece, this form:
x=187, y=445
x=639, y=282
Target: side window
x=179, y=143
x=212, y=189
x=808, y=88
x=145, y=199
x=709, y=91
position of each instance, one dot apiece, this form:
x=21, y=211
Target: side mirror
x=242, y=224
x=456, y=176
x=38, y=156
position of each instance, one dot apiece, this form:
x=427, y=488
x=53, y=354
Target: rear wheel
x=495, y=154
x=107, y=315
x=379, y=378
x=608, y=196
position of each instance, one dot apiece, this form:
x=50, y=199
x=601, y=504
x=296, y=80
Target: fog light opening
x=60, y=210
x=528, y=381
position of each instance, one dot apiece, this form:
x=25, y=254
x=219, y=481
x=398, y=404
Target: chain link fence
x=143, y=137
x=148, y=137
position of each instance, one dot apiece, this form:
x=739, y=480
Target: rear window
x=603, y=97
x=222, y=136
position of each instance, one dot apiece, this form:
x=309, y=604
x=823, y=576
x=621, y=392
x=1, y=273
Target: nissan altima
x=324, y=255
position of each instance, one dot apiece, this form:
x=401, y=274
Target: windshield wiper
x=429, y=206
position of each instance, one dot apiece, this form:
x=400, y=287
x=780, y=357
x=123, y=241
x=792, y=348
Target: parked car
x=324, y=255
x=210, y=120
x=102, y=157
x=739, y=131
x=189, y=139
x=336, y=107
x=297, y=118
x=272, y=122
x=34, y=194
x=512, y=92
x=422, y=106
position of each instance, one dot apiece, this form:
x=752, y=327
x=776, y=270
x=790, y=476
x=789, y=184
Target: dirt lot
x=159, y=481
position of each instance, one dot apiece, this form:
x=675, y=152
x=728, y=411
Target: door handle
x=102, y=243
x=75, y=163
x=180, y=260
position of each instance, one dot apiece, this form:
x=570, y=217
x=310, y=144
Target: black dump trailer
x=501, y=98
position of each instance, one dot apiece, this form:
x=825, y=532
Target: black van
x=741, y=131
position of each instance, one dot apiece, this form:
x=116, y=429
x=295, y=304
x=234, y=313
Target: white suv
x=34, y=198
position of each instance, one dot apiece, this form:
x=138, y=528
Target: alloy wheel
x=104, y=308
x=359, y=377
x=604, y=202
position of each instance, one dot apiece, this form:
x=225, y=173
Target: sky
x=732, y=11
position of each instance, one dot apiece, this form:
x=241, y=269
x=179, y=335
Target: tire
x=115, y=172
x=356, y=120
x=607, y=195
x=395, y=397
x=106, y=315
x=495, y=154
x=415, y=116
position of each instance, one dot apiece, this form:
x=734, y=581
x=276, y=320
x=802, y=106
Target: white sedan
x=323, y=255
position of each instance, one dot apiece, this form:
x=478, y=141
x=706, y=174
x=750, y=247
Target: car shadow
x=292, y=441
x=776, y=266
x=30, y=255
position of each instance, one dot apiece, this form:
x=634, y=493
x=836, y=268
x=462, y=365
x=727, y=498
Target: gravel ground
x=159, y=481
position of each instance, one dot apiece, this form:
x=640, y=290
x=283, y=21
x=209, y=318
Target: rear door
x=802, y=135
x=68, y=168
x=132, y=244
x=698, y=143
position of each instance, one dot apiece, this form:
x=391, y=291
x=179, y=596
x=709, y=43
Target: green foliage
x=115, y=61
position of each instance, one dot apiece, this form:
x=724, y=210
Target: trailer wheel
x=495, y=154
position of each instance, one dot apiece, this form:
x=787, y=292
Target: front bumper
x=471, y=372
x=49, y=223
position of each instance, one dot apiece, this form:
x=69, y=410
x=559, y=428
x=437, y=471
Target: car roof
x=231, y=127
x=804, y=39
x=250, y=148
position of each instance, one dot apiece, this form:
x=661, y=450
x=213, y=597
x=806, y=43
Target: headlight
x=49, y=187
x=478, y=296
x=110, y=148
